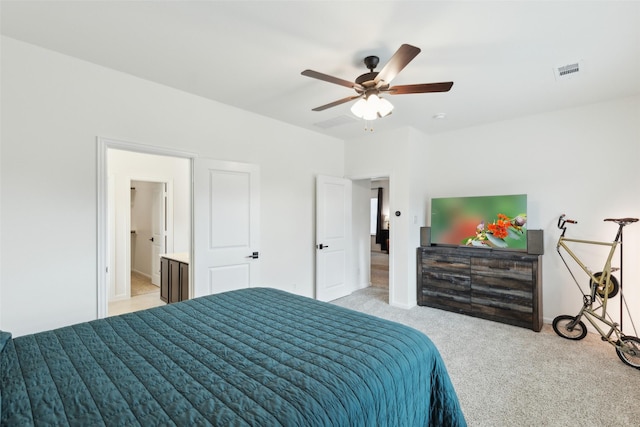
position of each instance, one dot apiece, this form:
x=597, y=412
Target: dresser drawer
x=504, y=268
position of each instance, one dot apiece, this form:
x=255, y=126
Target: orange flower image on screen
x=500, y=228
x=495, y=233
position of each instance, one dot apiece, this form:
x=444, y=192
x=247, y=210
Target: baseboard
x=362, y=286
x=141, y=273
x=118, y=298
x=404, y=306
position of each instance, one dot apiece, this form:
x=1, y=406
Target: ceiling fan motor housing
x=366, y=77
x=371, y=62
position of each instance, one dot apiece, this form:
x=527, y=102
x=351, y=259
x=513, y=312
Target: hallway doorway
x=380, y=233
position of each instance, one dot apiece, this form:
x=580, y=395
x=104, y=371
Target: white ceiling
x=249, y=54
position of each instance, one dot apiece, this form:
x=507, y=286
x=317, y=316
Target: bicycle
x=602, y=286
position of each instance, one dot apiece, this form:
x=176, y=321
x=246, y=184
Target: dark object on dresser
x=502, y=286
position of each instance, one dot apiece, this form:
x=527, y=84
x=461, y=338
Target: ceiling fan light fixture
x=359, y=108
x=371, y=107
x=370, y=114
x=373, y=101
x=384, y=107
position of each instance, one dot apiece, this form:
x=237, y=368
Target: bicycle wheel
x=632, y=354
x=561, y=326
x=611, y=287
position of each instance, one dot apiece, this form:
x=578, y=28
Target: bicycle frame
x=595, y=281
x=601, y=285
x=598, y=280
x=589, y=313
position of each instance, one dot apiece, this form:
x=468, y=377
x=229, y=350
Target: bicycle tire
x=612, y=288
x=576, y=333
x=632, y=360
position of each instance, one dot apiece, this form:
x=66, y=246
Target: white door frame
x=102, y=263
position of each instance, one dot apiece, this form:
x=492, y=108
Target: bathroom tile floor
x=135, y=303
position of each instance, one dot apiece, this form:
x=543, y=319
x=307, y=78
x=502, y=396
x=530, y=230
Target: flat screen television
x=484, y=221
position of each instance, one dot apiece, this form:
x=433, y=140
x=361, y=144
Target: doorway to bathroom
x=148, y=215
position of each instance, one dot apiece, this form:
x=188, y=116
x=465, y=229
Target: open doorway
x=148, y=231
x=148, y=214
x=380, y=237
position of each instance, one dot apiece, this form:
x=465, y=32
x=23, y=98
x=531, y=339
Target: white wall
x=54, y=107
x=581, y=161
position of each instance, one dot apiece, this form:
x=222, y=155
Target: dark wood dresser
x=503, y=286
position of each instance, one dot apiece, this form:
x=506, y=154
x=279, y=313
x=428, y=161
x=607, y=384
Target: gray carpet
x=510, y=376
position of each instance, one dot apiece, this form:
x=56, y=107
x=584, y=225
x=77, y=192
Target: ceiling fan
x=369, y=86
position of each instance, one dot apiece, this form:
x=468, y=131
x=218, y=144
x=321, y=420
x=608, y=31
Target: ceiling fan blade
x=338, y=102
x=398, y=61
x=420, y=88
x=330, y=79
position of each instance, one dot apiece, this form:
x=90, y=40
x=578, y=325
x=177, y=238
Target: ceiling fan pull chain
x=367, y=127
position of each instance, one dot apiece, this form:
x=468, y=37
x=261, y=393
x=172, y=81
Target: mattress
x=252, y=357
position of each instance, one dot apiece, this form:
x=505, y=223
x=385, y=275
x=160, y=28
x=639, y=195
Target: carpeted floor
x=510, y=376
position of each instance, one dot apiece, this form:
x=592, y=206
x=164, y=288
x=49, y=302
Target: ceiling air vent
x=567, y=71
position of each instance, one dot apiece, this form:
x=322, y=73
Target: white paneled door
x=226, y=226
x=333, y=237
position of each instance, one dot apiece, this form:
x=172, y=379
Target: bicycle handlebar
x=562, y=222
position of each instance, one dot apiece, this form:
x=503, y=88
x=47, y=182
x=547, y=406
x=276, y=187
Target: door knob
x=151, y=239
x=254, y=255
x=321, y=246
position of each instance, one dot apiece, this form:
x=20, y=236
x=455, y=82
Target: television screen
x=484, y=221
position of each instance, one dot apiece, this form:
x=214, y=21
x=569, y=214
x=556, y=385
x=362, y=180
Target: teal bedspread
x=258, y=357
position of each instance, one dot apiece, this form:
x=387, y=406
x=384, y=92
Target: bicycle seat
x=622, y=221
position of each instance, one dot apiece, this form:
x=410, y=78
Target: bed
x=255, y=357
